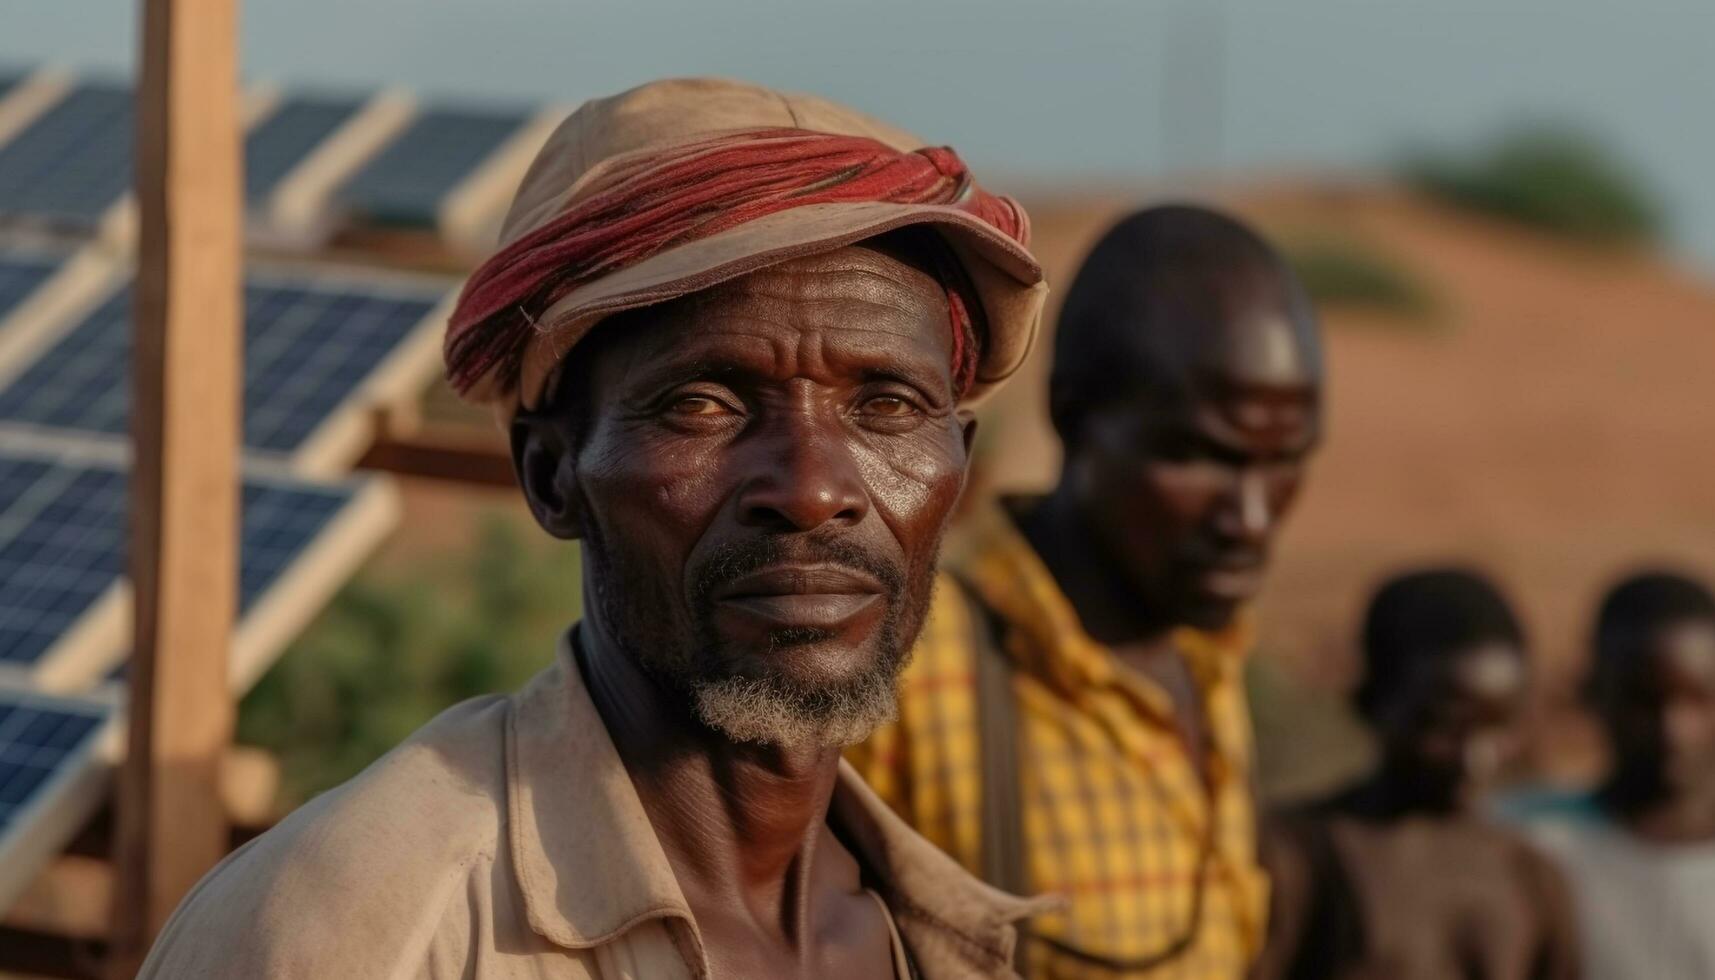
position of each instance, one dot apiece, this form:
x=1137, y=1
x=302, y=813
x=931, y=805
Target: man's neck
x=744, y=827
x=1109, y=610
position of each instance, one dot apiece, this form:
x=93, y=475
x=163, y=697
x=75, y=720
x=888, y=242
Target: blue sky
x=1073, y=89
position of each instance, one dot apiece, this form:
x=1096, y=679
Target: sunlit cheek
x=637, y=482
x=914, y=480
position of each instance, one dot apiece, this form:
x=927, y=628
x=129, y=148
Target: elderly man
x=734, y=331
x=1075, y=719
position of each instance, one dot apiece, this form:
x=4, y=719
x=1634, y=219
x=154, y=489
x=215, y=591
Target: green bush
x=1341, y=272
x=1553, y=179
x=1308, y=743
x=394, y=649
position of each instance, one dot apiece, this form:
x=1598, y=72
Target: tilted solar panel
x=73, y=162
x=54, y=756
x=308, y=347
x=287, y=136
x=20, y=275
x=36, y=738
x=63, y=527
x=405, y=183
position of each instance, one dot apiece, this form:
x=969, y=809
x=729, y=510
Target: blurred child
x=1399, y=875
x=1639, y=853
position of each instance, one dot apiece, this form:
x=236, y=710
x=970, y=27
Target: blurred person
x=1075, y=720
x=1639, y=852
x=757, y=449
x=1402, y=875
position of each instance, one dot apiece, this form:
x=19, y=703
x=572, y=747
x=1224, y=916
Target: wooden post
x=185, y=409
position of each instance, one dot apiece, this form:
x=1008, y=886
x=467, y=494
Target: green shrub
x=1341, y=272
x=394, y=649
x=1308, y=742
x=1553, y=179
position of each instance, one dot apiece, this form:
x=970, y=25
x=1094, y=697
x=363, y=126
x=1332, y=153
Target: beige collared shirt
x=504, y=840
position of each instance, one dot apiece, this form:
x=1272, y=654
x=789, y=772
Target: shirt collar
x=590, y=866
x=1005, y=568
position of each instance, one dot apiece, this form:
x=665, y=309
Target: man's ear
x=544, y=455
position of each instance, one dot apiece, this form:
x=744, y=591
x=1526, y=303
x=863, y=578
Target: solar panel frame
x=405, y=183
x=56, y=760
x=63, y=540
x=319, y=349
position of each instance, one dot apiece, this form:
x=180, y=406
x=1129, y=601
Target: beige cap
x=617, y=131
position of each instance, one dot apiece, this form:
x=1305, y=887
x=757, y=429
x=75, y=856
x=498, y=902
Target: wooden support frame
x=186, y=363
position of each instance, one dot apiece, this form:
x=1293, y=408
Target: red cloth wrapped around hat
x=639, y=207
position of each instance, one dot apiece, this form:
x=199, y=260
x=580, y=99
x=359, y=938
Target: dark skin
x=1168, y=503
x=1411, y=880
x=1659, y=711
x=1447, y=735
x=809, y=402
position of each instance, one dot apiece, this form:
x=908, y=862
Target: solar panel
x=63, y=527
x=21, y=275
x=37, y=738
x=308, y=347
x=405, y=183
x=73, y=162
x=288, y=135
x=54, y=755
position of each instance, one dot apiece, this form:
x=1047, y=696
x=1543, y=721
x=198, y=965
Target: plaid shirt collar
x=1056, y=648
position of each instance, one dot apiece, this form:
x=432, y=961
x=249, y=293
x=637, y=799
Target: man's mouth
x=1233, y=580
x=800, y=596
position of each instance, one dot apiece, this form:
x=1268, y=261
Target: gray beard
x=765, y=707
x=766, y=711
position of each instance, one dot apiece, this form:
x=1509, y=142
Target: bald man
x=1074, y=720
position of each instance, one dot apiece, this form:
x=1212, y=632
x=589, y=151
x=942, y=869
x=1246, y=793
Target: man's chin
x=778, y=712
x=1210, y=613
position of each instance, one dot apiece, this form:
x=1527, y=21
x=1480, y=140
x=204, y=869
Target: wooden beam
x=442, y=452
x=171, y=827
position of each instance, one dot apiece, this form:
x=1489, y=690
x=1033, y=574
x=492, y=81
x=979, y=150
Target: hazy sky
x=1048, y=89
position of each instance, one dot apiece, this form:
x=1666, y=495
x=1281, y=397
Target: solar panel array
x=63, y=527
x=73, y=162
x=308, y=346
x=406, y=182
x=317, y=348
x=286, y=136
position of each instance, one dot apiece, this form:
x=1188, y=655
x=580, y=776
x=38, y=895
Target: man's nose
x=804, y=477
x=1246, y=512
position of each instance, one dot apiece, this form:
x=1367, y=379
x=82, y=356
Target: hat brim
x=1007, y=279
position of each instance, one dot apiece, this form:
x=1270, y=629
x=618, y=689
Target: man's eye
x=697, y=405
x=889, y=406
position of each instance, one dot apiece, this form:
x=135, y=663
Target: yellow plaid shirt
x=1115, y=812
